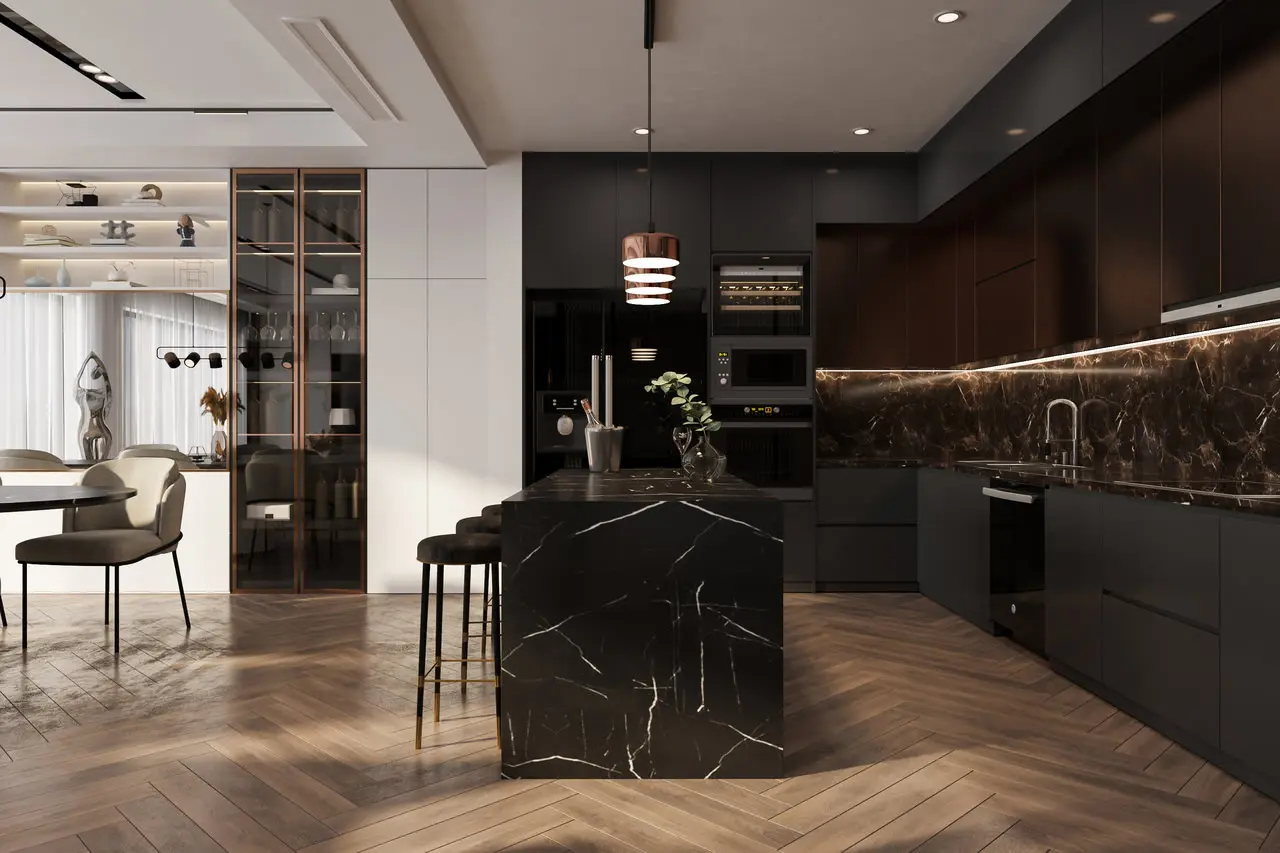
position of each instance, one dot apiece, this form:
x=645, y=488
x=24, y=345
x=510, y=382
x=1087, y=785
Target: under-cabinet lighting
x=336, y=192
x=1069, y=356
x=1163, y=17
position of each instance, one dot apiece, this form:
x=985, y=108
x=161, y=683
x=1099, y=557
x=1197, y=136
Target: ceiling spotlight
x=948, y=17
x=105, y=78
x=1016, y=131
x=641, y=131
x=861, y=131
x=1163, y=17
x=215, y=360
x=171, y=359
x=90, y=68
x=287, y=361
x=192, y=359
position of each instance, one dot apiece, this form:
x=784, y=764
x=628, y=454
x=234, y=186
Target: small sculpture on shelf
x=186, y=230
x=148, y=196
x=114, y=233
x=93, y=396
x=77, y=194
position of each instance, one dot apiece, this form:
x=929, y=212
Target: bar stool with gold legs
x=478, y=524
x=455, y=549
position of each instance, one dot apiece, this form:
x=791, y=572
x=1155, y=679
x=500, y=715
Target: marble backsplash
x=1200, y=407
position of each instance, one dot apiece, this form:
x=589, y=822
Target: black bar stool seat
x=455, y=549
x=492, y=511
x=479, y=524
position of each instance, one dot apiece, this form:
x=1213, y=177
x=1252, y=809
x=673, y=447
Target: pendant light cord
x=649, y=137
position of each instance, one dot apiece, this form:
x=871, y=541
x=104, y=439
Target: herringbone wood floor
x=286, y=723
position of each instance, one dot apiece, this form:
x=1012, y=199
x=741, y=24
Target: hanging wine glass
x=353, y=326
x=249, y=334
x=286, y=331
x=318, y=332
x=269, y=333
x=337, y=332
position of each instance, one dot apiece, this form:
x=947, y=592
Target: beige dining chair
x=152, y=447
x=24, y=453
x=116, y=534
x=30, y=463
x=155, y=452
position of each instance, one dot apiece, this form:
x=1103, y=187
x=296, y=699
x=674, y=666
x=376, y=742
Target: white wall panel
x=456, y=223
x=396, y=223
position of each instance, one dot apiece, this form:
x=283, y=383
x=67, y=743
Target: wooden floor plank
x=122, y=837
x=582, y=838
x=220, y=819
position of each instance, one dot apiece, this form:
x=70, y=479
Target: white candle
x=608, y=390
x=595, y=385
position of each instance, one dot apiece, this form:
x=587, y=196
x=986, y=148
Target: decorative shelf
x=110, y=253
x=131, y=212
x=118, y=290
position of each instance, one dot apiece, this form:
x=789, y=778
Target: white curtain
x=44, y=338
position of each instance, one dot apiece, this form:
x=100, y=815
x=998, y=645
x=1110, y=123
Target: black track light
x=215, y=360
x=192, y=359
x=171, y=359
x=247, y=361
x=287, y=361
x=268, y=361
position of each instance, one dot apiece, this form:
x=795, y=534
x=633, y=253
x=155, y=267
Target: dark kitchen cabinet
x=1005, y=230
x=1129, y=202
x=881, y=294
x=1250, y=637
x=1164, y=556
x=865, y=189
x=954, y=551
x=966, y=293
x=799, y=546
x=1005, y=313
x=865, y=557
x=1129, y=34
x=761, y=203
x=835, y=303
x=1192, y=165
x=681, y=206
x=1250, y=140
x=931, y=296
x=1168, y=667
x=867, y=495
x=1066, y=234
x=1074, y=554
x=570, y=221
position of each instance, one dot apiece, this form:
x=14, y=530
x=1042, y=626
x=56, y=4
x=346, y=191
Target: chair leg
x=182, y=593
x=435, y=702
x=495, y=625
x=422, y=651
x=106, y=595
x=4, y=620
x=117, y=620
x=24, y=605
x=484, y=611
x=466, y=624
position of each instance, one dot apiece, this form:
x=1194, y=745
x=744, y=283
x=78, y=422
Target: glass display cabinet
x=297, y=446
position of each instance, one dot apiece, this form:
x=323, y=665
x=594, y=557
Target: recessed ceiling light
x=833, y=171
x=948, y=17
x=105, y=78
x=641, y=131
x=1163, y=17
x=1017, y=131
x=861, y=131
x=90, y=68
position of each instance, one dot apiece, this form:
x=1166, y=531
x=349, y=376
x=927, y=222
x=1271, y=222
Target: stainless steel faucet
x=1075, y=425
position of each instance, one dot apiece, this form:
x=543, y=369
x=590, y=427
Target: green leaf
x=648, y=389
x=677, y=401
x=684, y=380
x=706, y=416
x=713, y=426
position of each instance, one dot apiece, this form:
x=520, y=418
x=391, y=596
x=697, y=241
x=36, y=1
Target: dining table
x=33, y=498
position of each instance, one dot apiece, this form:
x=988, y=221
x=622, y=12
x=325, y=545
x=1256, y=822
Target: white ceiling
x=729, y=75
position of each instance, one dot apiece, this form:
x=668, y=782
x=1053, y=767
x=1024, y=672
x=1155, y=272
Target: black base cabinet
x=799, y=556
x=1250, y=642
x=866, y=530
x=1073, y=563
x=954, y=543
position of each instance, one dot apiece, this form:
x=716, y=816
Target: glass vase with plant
x=700, y=459
x=217, y=404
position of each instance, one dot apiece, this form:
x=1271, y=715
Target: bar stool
x=455, y=549
x=478, y=524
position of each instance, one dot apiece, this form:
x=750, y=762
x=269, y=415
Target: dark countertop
x=1171, y=486
x=639, y=485
x=33, y=498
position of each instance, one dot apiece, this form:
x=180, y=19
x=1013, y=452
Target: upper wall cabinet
x=681, y=206
x=1192, y=162
x=570, y=221
x=1066, y=234
x=1250, y=141
x=456, y=223
x=880, y=288
x=1006, y=232
x=931, y=296
x=872, y=188
x=761, y=204
x=397, y=223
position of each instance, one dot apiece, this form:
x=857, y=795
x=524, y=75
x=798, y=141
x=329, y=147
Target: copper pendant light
x=649, y=256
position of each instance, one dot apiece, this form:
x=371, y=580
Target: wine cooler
x=297, y=438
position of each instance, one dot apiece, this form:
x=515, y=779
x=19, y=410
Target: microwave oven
x=751, y=369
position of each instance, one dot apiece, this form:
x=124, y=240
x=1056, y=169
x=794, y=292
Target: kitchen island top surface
x=639, y=485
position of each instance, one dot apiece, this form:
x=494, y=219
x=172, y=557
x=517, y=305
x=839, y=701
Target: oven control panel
x=764, y=412
x=721, y=368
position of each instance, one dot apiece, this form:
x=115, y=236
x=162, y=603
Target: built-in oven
x=770, y=445
x=1017, y=562
x=746, y=370
x=761, y=295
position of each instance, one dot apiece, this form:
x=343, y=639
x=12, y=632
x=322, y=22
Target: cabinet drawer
x=1163, y=555
x=867, y=554
x=867, y=496
x=799, y=544
x=1164, y=665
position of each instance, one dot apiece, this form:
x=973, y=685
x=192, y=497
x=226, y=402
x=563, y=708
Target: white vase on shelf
x=64, y=275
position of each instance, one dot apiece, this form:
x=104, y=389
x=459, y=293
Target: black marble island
x=641, y=628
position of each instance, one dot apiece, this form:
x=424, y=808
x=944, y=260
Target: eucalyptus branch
x=696, y=412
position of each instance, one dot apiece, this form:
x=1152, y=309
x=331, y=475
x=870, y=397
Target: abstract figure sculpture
x=93, y=396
